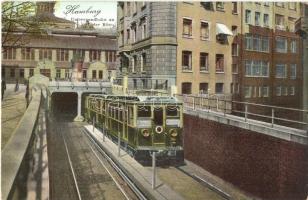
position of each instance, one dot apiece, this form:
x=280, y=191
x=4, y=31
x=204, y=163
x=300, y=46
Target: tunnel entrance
x=64, y=105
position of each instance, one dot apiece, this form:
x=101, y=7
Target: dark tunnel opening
x=64, y=105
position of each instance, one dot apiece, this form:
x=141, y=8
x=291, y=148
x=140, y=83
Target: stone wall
x=262, y=165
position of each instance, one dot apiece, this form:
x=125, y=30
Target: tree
x=19, y=23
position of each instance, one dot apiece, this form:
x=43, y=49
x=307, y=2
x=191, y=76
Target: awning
x=223, y=29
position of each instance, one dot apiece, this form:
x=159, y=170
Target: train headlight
x=159, y=129
x=173, y=132
x=145, y=132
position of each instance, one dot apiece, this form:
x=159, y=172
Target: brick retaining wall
x=262, y=165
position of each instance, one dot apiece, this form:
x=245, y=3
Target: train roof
x=143, y=99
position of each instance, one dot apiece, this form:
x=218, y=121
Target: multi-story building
x=60, y=51
x=301, y=29
x=207, y=46
x=147, y=44
x=185, y=45
x=271, y=68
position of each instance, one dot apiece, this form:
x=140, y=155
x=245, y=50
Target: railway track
x=86, y=162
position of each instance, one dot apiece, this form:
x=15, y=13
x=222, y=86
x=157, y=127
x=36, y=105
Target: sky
x=103, y=14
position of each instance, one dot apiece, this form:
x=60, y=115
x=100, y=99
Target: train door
x=158, y=126
x=123, y=118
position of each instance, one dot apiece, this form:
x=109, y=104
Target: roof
x=142, y=99
x=72, y=42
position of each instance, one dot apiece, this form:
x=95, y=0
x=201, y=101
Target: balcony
x=301, y=25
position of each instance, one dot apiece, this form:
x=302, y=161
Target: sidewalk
x=13, y=107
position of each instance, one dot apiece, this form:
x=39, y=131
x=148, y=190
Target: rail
x=118, y=169
x=275, y=115
x=16, y=152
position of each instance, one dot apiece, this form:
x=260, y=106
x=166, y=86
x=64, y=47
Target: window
x=203, y=88
x=256, y=68
x=219, y=88
x=67, y=73
x=122, y=37
x=84, y=74
x=204, y=31
x=234, y=30
x=279, y=4
x=21, y=73
x=186, y=88
x=292, y=90
x=234, y=50
x=31, y=72
x=279, y=22
x=281, y=45
x=293, y=71
x=278, y=91
x=207, y=5
x=187, y=27
x=58, y=73
x=265, y=91
x=266, y=3
x=219, y=62
x=293, y=46
x=78, y=54
x=247, y=16
x=27, y=54
x=234, y=7
x=144, y=61
x=100, y=74
x=9, y=54
x=144, y=30
x=257, y=18
x=266, y=20
x=281, y=71
x=186, y=60
x=220, y=5
x=204, y=62
x=257, y=43
x=62, y=55
x=134, y=32
x=45, y=54
x=94, y=55
x=12, y=73
x=291, y=24
x=247, y=91
x=285, y=91
x=110, y=56
x=127, y=36
x=93, y=74
x=292, y=5
x=234, y=68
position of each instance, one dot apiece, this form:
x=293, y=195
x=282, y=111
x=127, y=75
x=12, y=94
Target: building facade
x=207, y=46
x=184, y=47
x=61, y=51
x=147, y=44
x=270, y=71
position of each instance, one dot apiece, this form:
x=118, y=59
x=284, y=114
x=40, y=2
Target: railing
x=274, y=115
x=17, y=153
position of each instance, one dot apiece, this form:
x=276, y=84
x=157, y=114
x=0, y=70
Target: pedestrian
x=3, y=88
x=16, y=86
x=27, y=95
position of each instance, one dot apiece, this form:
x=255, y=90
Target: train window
x=130, y=114
x=144, y=111
x=172, y=111
x=158, y=116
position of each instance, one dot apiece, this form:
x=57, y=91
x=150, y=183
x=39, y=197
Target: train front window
x=158, y=116
x=172, y=111
x=144, y=111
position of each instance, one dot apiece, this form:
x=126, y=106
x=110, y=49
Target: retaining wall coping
x=16, y=148
x=278, y=131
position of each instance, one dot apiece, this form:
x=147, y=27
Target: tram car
x=144, y=123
